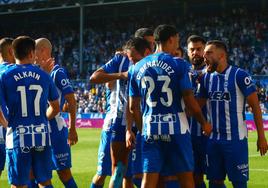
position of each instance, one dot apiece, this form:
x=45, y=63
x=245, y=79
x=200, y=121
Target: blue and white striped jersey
x=159, y=80
x=26, y=90
x=64, y=87
x=195, y=76
x=117, y=96
x=226, y=93
x=3, y=67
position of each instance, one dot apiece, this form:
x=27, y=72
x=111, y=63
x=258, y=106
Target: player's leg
x=236, y=155
x=42, y=166
x=19, y=164
x=2, y=155
x=150, y=180
x=216, y=171
x=137, y=162
x=119, y=156
x=104, y=160
x=182, y=159
x=152, y=161
x=127, y=180
x=61, y=156
x=171, y=182
x=199, y=144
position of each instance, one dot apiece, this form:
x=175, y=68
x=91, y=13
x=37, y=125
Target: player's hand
x=118, y=52
x=72, y=137
x=124, y=75
x=207, y=129
x=50, y=64
x=130, y=139
x=262, y=146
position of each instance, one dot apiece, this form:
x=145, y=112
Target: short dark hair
x=22, y=47
x=196, y=38
x=138, y=44
x=218, y=44
x=143, y=32
x=4, y=43
x=163, y=32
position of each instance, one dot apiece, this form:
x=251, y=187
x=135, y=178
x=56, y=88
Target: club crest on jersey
x=219, y=96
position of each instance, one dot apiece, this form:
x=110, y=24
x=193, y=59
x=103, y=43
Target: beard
x=198, y=61
x=211, y=67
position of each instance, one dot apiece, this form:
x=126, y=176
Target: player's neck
x=199, y=67
x=165, y=48
x=222, y=67
x=23, y=62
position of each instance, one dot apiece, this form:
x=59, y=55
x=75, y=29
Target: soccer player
x=115, y=72
x=195, y=51
x=61, y=140
x=159, y=82
x=26, y=90
x=227, y=88
x=6, y=58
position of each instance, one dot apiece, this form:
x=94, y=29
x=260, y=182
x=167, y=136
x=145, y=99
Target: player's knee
x=239, y=184
x=65, y=175
x=98, y=179
x=172, y=184
x=137, y=182
x=216, y=184
x=118, y=175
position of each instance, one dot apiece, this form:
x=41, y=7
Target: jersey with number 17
x=26, y=90
x=159, y=80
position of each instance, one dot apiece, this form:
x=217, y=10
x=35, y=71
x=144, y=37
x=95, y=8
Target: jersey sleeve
x=202, y=91
x=133, y=85
x=245, y=83
x=184, y=79
x=112, y=65
x=62, y=82
x=52, y=93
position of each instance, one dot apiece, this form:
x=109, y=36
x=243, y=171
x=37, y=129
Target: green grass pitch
x=84, y=157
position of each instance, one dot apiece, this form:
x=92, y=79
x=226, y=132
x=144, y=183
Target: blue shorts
x=61, y=151
x=104, y=154
x=118, y=133
x=136, y=156
x=228, y=157
x=2, y=156
x=173, y=152
x=199, y=150
x=21, y=160
x=2, y=148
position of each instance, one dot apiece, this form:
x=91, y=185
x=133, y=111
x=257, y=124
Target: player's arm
x=130, y=137
x=53, y=109
x=135, y=110
x=3, y=120
x=195, y=110
x=100, y=76
x=253, y=102
x=72, y=137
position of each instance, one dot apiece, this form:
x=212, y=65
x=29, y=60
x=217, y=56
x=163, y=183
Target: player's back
x=161, y=78
x=26, y=92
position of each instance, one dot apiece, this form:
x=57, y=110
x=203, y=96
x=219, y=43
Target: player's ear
x=147, y=52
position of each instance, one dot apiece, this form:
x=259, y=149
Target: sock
x=215, y=185
x=70, y=183
x=95, y=186
x=172, y=184
x=137, y=182
x=202, y=185
x=239, y=184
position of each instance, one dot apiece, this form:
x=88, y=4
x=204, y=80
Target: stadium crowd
x=246, y=38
